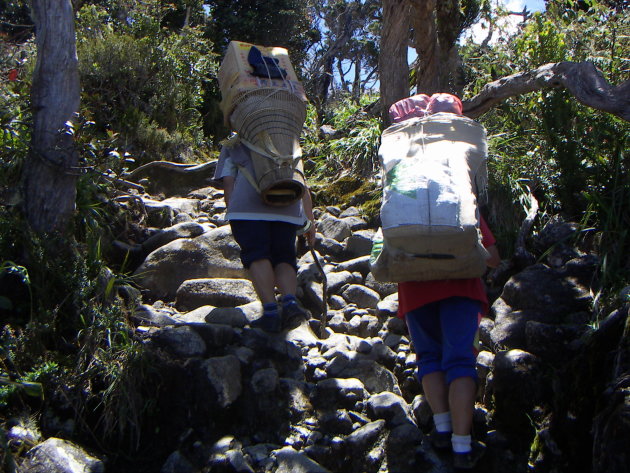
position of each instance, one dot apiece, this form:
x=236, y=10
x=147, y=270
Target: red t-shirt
x=414, y=294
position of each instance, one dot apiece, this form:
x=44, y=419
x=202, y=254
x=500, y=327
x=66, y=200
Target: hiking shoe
x=468, y=460
x=268, y=322
x=293, y=315
x=440, y=440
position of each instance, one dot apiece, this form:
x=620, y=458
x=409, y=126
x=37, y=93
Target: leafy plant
x=143, y=82
x=356, y=148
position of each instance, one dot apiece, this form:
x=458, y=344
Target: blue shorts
x=261, y=239
x=443, y=335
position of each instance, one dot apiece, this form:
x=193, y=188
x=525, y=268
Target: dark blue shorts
x=443, y=335
x=260, y=239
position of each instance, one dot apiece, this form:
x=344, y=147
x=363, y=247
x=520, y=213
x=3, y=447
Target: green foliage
x=15, y=19
x=142, y=82
x=282, y=23
x=356, y=148
x=572, y=157
x=14, y=111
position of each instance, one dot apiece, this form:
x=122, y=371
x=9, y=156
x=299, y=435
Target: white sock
x=442, y=422
x=461, y=443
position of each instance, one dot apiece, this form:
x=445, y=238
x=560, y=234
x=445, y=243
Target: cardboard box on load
x=235, y=74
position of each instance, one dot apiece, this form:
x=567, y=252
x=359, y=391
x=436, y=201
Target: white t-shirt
x=245, y=202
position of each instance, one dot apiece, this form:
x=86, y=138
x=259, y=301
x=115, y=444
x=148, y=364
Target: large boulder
x=546, y=290
x=214, y=254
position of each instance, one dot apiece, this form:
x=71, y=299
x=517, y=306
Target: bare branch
x=582, y=79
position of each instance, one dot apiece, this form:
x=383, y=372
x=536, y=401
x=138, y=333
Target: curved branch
x=582, y=79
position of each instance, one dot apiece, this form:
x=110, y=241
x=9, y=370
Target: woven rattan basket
x=269, y=121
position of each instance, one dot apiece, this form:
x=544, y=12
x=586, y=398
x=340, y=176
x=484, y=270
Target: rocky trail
x=554, y=394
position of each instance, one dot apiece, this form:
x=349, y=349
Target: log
x=582, y=79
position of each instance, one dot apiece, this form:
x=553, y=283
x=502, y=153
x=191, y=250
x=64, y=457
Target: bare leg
x=436, y=391
x=461, y=398
x=285, y=278
x=263, y=279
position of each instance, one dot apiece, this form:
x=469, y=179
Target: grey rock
x=55, y=455
x=509, y=329
x=390, y=407
x=215, y=336
x=362, y=438
x=351, y=211
x=224, y=375
x=197, y=315
x=219, y=292
x=543, y=289
x=177, y=463
x=338, y=323
x=159, y=215
x=359, y=243
x=356, y=223
x=485, y=361
x=372, y=374
x=174, y=178
x=337, y=280
x=181, y=341
x=401, y=445
x=362, y=296
x=265, y=380
x=212, y=254
x=554, y=343
x=297, y=394
x=145, y=314
x=183, y=205
x=396, y=325
x=291, y=461
x=554, y=232
x=23, y=435
x=360, y=264
x=331, y=209
x=498, y=309
x=336, y=302
x=329, y=246
x=385, y=289
x=232, y=316
x=333, y=227
x=387, y=309
x=181, y=230
x=344, y=392
x=422, y=411
x=518, y=385
x=336, y=422
x=485, y=329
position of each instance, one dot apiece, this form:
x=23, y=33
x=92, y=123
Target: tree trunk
x=425, y=42
x=436, y=27
x=356, y=84
x=49, y=175
x=392, y=63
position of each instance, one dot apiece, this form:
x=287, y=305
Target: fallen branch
x=582, y=79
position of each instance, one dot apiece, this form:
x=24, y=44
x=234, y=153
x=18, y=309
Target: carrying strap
x=249, y=177
x=271, y=152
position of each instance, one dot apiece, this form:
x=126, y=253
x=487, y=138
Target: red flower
x=13, y=75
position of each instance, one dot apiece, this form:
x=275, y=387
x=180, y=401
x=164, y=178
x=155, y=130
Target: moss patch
x=350, y=191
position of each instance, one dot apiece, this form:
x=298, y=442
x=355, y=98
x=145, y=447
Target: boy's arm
x=489, y=242
x=495, y=258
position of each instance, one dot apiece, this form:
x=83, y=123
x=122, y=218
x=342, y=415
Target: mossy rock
x=350, y=191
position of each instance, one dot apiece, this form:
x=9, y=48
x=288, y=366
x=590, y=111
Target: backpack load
x=433, y=169
x=266, y=105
